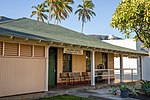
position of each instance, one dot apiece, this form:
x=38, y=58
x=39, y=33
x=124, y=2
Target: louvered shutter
x=39, y=51
x=25, y=50
x=11, y=49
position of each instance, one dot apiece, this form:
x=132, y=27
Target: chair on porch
x=77, y=76
x=86, y=76
x=64, y=78
x=71, y=78
x=74, y=77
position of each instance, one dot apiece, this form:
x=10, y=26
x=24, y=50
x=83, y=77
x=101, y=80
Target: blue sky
x=100, y=24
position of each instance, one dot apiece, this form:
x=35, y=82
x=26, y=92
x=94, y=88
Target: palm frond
x=40, y=9
x=34, y=7
x=79, y=6
x=79, y=10
x=33, y=13
x=60, y=9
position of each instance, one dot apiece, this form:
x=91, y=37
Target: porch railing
x=112, y=72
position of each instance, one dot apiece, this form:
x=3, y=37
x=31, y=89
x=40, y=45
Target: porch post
x=46, y=74
x=93, y=68
x=138, y=68
x=141, y=66
x=121, y=68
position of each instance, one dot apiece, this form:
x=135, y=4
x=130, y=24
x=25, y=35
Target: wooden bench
x=74, y=76
x=71, y=79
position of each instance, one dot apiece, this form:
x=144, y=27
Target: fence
x=128, y=72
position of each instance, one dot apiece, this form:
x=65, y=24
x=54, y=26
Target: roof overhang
x=56, y=43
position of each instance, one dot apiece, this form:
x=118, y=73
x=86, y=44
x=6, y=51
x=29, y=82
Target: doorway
x=52, y=68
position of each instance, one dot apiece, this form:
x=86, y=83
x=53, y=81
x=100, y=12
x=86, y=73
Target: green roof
x=29, y=28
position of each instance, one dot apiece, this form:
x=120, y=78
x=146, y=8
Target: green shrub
x=124, y=87
x=145, y=87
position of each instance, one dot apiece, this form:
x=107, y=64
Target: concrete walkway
x=99, y=92
x=106, y=94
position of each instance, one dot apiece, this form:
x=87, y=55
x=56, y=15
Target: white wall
x=146, y=68
x=131, y=62
x=127, y=62
x=128, y=43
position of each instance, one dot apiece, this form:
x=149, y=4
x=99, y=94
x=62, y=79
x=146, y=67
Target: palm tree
x=59, y=9
x=40, y=10
x=85, y=12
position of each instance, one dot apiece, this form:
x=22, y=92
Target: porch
x=89, y=67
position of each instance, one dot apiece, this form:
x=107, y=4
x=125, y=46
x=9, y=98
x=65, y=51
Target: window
x=67, y=63
x=1, y=48
x=39, y=51
x=11, y=49
x=88, y=61
x=26, y=50
x=104, y=60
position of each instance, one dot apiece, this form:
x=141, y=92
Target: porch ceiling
x=58, y=36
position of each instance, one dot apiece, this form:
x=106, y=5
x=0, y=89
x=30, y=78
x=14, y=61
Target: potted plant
x=124, y=90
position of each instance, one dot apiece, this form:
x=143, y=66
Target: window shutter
x=11, y=49
x=1, y=48
x=25, y=50
x=39, y=51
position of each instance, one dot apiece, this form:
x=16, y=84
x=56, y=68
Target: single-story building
x=33, y=54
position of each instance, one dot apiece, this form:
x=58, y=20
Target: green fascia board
x=56, y=33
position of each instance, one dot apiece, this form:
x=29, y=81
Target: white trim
x=108, y=76
x=32, y=50
x=40, y=41
x=138, y=68
x=93, y=68
x=26, y=39
x=46, y=74
x=11, y=37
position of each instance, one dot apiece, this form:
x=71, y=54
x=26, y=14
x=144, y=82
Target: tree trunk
x=48, y=17
x=56, y=21
x=82, y=27
x=37, y=18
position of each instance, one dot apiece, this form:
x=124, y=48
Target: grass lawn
x=65, y=97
